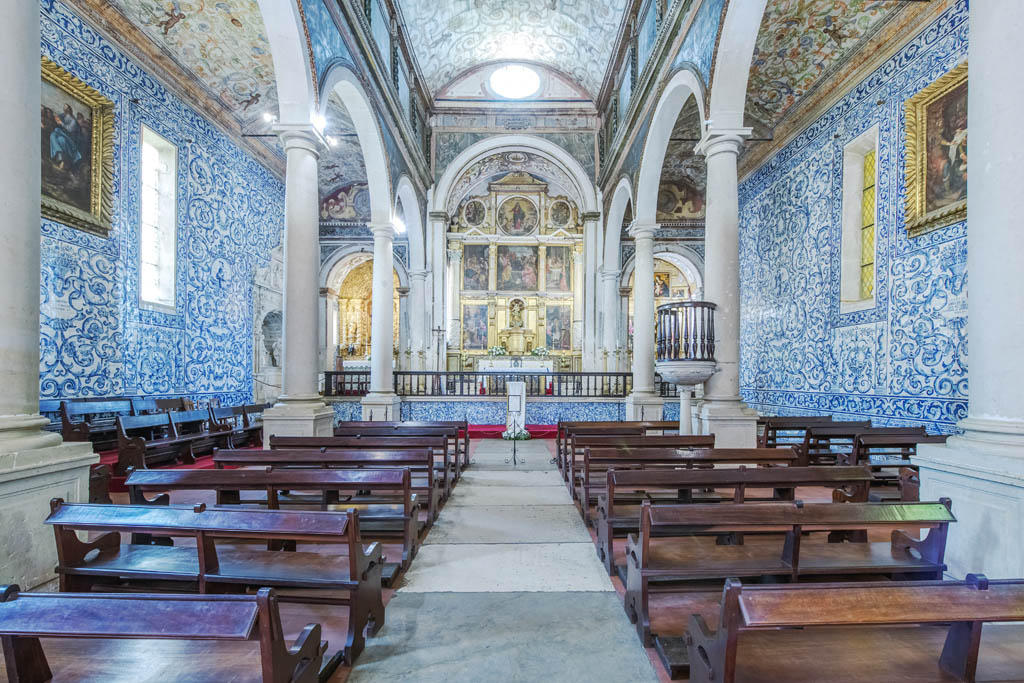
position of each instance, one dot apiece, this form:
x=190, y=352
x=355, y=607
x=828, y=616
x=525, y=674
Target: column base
x=29, y=478
x=298, y=417
x=982, y=472
x=644, y=406
x=732, y=422
x=382, y=407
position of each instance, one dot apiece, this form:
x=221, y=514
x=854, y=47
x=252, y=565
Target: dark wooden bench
x=615, y=519
x=50, y=409
x=93, y=421
x=450, y=433
x=197, y=425
x=910, y=485
x=217, y=563
x=678, y=559
x=232, y=421
x=824, y=444
x=426, y=480
x=886, y=454
x=565, y=429
x=964, y=605
x=389, y=517
x=461, y=425
x=27, y=617
x=145, y=406
x=178, y=403
x=788, y=430
x=579, y=443
x=438, y=444
x=143, y=440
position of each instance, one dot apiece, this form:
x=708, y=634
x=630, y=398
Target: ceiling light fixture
x=320, y=122
x=514, y=81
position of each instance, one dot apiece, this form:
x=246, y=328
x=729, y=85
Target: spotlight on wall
x=269, y=118
x=320, y=122
x=399, y=226
x=332, y=141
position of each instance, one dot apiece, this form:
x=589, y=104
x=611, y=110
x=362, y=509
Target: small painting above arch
x=517, y=216
x=474, y=213
x=560, y=214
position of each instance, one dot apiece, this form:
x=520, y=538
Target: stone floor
x=507, y=587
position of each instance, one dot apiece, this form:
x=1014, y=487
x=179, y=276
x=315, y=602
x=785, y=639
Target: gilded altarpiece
x=521, y=246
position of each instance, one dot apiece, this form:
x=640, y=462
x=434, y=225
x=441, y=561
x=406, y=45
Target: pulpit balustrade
x=686, y=331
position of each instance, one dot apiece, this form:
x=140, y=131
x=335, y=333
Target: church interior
x=511, y=340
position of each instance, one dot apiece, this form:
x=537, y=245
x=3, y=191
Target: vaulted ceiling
x=573, y=36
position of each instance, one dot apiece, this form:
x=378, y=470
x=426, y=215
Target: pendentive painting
x=474, y=326
x=937, y=153
x=557, y=271
x=517, y=268
x=76, y=128
x=475, y=268
x=558, y=328
x=517, y=216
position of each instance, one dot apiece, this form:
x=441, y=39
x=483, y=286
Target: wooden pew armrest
x=633, y=550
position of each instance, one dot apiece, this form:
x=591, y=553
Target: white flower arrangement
x=516, y=434
x=540, y=351
x=497, y=351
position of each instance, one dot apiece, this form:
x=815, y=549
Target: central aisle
x=507, y=587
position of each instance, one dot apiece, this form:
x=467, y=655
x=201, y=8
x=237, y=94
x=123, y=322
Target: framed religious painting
x=517, y=268
x=936, y=153
x=474, y=327
x=77, y=128
x=558, y=269
x=517, y=216
x=558, y=328
x=475, y=267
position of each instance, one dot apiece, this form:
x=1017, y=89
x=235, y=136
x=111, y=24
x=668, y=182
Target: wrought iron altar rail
x=494, y=383
x=686, y=331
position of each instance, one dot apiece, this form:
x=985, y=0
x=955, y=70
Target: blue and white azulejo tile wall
x=902, y=361
x=95, y=339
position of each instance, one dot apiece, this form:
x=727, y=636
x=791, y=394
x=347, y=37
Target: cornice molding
x=182, y=83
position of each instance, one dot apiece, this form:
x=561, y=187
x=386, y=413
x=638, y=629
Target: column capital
x=640, y=231
x=418, y=275
x=454, y=254
x=578, y=258
x=402, y=291
x=438, y=216
x=300, y=136
x=722, y=140
x=328, y=292
x=609, y=275
x=382, y=230
x=591, y=216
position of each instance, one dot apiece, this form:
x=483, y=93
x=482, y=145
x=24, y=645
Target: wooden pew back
x=788, y=430
x=823, y=444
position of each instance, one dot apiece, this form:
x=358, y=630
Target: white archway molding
x=584, y=187
x=682, y=86
x=621, y=199
x=341, y=80
x=413, y=218
x=343, y=259
x=732, y=63
x=296, y=89
x=682, y=257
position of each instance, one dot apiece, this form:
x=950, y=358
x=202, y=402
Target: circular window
x=515, y=81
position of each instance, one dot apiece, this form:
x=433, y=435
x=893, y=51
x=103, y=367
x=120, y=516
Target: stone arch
x=413, y=219
x=688, y=261
x=680, y=88
x=732, y=63
x=622, y=198
x=346, y=257
x=293, y=71
x=342, y=80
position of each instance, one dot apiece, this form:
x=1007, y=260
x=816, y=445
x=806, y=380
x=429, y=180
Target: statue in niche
x=515, y=313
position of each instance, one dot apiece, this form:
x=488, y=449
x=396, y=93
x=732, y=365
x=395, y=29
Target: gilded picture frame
x=936, y=153
x=77, y=163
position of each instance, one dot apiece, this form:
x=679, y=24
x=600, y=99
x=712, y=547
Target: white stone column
x=454, y=298
x=382, y=403
x=439, y=227
x=578, y=306
x=591, y=241
x=643, y=403
x=622, y=359
x=328, y=312
x=610, y=304
x=417, y=318
x=982, y=470
x=404, y=358
x=300, y=410
x=723, y=412
x=34, y=465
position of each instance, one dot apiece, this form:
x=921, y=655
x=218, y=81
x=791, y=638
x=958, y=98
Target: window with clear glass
x=158, y=220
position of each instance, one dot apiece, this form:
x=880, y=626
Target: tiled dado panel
x=493, y=412
x=94, y=337
x=902, y=361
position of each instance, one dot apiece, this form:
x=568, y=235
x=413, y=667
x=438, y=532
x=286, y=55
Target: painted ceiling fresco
x=574, y=36
x=221, y=42
x=800, y=43
x=341, y=167
x=684, y=173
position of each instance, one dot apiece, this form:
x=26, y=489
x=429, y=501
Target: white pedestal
x=644, y=407
x=382, y=407
x=732, y=422
x=28, y=480
x=987, y=490
x=299, y=418
x=515, y=413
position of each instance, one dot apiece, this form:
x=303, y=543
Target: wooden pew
x=92, y=421
x=579, y=444
x=787, y=430
x=682, y=558
x=149, y=439
x=27, y=617
x=824, y=444
x=449, y=432
x=50, y=409
x=884, y=453
x=964, y=605
x=179, y=403
x=197, y=425
x=145, y=406
x=563, y=453
x=565, y=428
x=392, y=519
x=426, y=483
x=614, y=520
x=211, y=566
x=596, y=462
x=461, y=425
x=910, y=485
x=232, y=421
x=438, y=444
